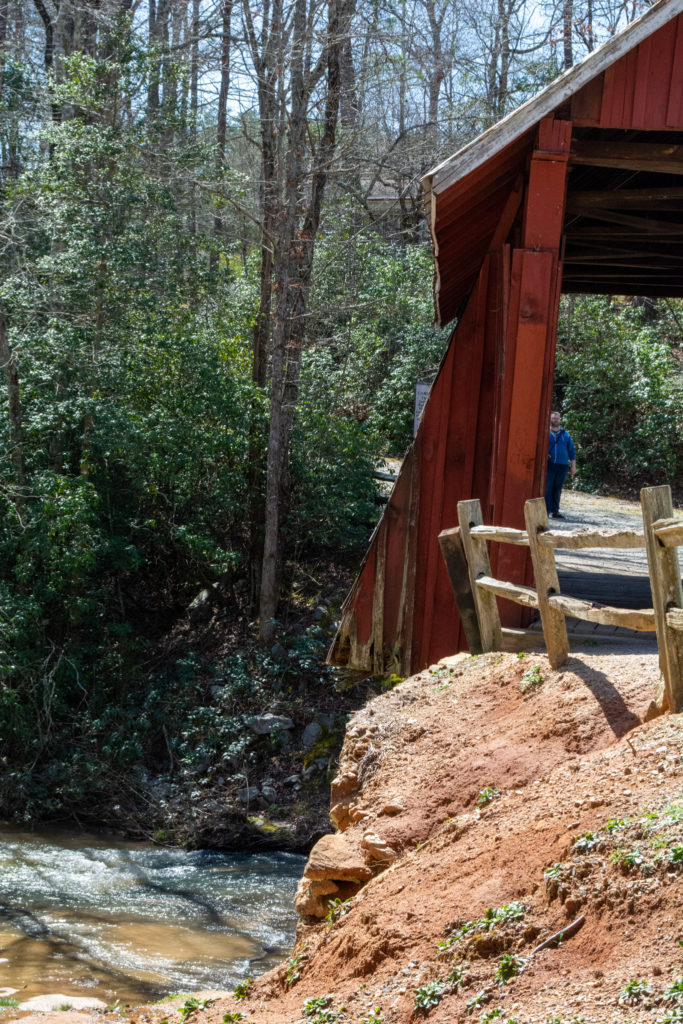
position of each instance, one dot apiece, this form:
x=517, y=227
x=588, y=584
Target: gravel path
x=591, y=510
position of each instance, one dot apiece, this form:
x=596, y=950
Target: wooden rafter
x=655, y=157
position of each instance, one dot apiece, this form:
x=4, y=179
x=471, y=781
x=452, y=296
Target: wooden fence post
x=476, y=552
x=547, y=583
x=453, y=553
x=665, y=580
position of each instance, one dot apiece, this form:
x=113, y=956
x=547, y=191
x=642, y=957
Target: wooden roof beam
x=659, y=199
x=653, y=157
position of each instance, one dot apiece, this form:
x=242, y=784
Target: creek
x=128, y=922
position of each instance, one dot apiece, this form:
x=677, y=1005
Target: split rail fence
x=465, y=552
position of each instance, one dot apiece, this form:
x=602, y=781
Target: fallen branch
x=565, y=933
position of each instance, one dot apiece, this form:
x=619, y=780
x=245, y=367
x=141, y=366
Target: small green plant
x=66, y=1006
x=634, y=991
x=191, y=1005
x=628, y=859
x=456, y=977
x=521, y=655
x=428, y=996
x=242, y=989
x=313, y=1006
x=509, y=966
x=389, y=682
x=493, y=1014
x=674, y=1016
x=674, y=994
x=476, y=1002
x=553, y=872
x=336, y=909
x=676, y=855
x=293, y=972
x=487, y=796
x=232, y=1018
x=319, y=1011
x=614, y=824
x=531, y=679
x=587, y=842
x=374, y=1018
x=8, y=1001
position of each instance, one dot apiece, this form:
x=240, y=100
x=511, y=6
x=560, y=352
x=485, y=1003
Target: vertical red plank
x=674, y=112
x=587, y=103
x=617, y=93
x=460, y=453
x=654, y=61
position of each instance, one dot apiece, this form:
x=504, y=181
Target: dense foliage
x=620, y=386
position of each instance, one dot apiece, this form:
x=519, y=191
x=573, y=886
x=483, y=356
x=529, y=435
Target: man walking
x=561, y=460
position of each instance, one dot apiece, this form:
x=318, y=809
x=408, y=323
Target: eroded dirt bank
x=484, y=807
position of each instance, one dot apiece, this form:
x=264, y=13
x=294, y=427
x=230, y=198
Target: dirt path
x=590, y=510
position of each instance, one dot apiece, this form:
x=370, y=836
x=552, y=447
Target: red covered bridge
x=579, y=190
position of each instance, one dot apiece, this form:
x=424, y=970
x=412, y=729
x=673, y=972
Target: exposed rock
x=311, y=734
x=292, y=780
x=334, y=858
x=247, y=794
x=339, y=816
x=378, y=848
x=310, y=898
x=279, y=653
x=55, y=1001
x=344, y=784
x=269, y=793
x=393, y=807
x=262, y=725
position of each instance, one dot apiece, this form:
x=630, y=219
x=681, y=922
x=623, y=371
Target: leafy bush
x=621, y=390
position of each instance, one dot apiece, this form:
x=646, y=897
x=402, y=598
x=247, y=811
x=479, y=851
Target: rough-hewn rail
x=476, y=589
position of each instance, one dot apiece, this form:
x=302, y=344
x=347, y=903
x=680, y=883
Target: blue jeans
x=554, y=481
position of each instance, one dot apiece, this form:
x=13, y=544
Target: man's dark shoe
x=557, y=515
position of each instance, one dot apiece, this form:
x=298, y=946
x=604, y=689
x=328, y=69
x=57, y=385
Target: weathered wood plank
x=453, y=553
x=663, y=158
x=669, y=532
x=547, y=583
x=575, y=539
x=627, y=198
x=667, y=593
x=642, y=619
x=512, y=591
x=503, y=534
x=469, y=515
x=674, y=618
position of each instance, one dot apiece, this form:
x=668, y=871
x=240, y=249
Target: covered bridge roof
x=623, y=226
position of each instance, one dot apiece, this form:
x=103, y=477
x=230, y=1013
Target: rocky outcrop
x=334, y=869
x=339, y=865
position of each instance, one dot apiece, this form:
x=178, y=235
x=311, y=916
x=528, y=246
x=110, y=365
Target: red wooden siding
x=642, y=90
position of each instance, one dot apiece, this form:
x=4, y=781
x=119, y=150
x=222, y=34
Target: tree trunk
x=567, y=30
x=294, y=264
x=222, y=125
x=8, y=360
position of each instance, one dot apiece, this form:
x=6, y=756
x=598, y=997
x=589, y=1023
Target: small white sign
x=421, y=396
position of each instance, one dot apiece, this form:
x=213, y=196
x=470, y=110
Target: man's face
x=555, y=420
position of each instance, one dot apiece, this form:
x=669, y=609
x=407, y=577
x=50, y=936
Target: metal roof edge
x=521, y=120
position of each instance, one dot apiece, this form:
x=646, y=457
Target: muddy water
x=87, y=917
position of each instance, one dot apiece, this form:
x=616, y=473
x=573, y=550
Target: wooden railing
x=466, y=555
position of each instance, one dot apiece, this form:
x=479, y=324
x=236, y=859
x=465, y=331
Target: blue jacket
x=561, y=448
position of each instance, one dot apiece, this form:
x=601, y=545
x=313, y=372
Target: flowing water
x=85, y=916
